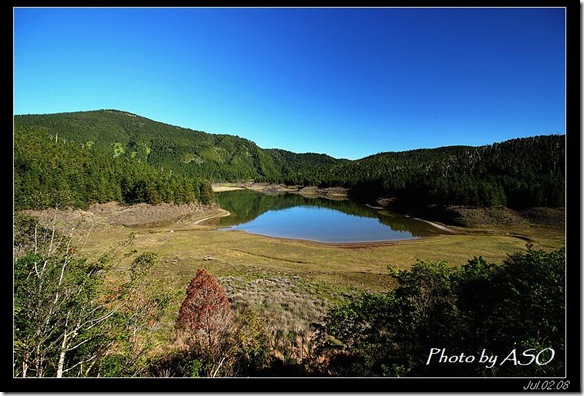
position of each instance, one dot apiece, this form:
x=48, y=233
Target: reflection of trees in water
x=246, y=205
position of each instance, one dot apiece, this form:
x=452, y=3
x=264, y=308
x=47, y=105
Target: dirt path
x=222, y=213
x=439, y=226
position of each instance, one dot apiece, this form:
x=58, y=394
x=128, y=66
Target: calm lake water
x=317, y=219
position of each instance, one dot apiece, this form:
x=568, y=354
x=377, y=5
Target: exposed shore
x=221, y=188
x=113, y=214
x=221, y=213
x=436, y=225
x=329, y=192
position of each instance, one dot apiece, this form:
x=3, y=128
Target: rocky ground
x=114, y=214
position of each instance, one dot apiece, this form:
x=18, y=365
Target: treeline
x=72, y=318
x=307, y=169
x=50, y=171
x=518, y=173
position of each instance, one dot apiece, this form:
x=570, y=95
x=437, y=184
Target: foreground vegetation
x=437, y=312
x=303, y=292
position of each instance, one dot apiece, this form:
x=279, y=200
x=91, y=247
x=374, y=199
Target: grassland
x=290, y=281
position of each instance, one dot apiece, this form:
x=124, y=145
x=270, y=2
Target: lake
x=286, y=215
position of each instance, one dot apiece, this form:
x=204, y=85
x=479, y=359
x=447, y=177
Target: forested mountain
x=49, y=172
x=193, y=153
x=517, y=173
x=307, y=169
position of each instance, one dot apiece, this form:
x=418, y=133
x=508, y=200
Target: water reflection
x=319, y=219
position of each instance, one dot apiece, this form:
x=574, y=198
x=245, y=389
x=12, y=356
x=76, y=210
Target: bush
x=501, y=310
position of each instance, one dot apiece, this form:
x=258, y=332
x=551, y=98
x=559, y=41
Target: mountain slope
x=193, y=153
x=518, y=173
x=51, y=172
x=216, y=157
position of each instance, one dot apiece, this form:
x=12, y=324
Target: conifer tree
x=205, y=322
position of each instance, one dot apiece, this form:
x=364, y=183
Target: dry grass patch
x=287, y=303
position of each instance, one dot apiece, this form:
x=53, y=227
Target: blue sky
x=349, y=82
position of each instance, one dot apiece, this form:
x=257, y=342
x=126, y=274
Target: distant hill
x=517, y=173
x=215, y=157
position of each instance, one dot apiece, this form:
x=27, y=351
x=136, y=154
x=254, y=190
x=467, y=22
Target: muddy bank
x=215, y=214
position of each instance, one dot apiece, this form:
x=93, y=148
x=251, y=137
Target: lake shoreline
x=326, y=192
x=222, y=213
x=186, y=243
x=312, y=191
x=453, y=219
x=436, y=225
x=476, y=221
x=296, y=216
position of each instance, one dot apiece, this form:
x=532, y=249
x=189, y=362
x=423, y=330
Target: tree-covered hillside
x=192, y=153
x=518, y=173
x=307, y=169
x=51, y=172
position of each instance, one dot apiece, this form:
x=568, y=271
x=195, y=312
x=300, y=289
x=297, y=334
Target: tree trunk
x=62, y=353
x=24, y=367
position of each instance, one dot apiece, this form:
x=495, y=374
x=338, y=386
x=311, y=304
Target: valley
x=128, y=191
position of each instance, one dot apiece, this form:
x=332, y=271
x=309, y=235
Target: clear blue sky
x=349, y=82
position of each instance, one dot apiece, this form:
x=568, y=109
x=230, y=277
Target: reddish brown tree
x=205, y=322
x=205, y=303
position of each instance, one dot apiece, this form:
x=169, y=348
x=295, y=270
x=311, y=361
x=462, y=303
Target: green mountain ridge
x=519, y=172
